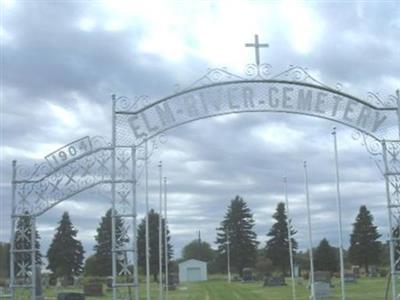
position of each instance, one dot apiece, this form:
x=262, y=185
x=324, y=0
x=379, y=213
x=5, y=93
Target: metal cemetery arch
x=91, y=162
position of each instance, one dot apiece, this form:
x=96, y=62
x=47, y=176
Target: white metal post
x=339, y=211
x=33, y=256
x=134, y=221
x=160, y=231
x=389, y=204
x=289, y=227
x=166, y=237
x=146, y=170
x=113, y=231
x=309, y=232
x=12, y=236
x=228, y=254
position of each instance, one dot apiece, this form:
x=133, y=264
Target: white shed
x=192, y=270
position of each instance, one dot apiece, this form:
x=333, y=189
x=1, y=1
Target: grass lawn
x=217, y=289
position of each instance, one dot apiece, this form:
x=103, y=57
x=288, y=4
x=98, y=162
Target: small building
x=192, y=270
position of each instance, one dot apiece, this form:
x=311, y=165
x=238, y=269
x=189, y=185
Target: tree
x=65, y=254
x=277, y=247
x=153, y=243
x=198, y=249
x=325, y=257
x=103, y=248
x=364, y=245
x=4, y=260
x=237, y=226
x=23, y=237
x=91, y=268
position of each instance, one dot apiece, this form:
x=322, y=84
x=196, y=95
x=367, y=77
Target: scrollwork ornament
x=373, y=146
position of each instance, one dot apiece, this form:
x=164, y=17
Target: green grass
x=217, y=289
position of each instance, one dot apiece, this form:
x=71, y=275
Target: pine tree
x=153, y=243
x=238, y=226
x=277, y=248
x=103, y=247
x=325, y=257
x=364, y=245
x=23, y=236
x=65, y=254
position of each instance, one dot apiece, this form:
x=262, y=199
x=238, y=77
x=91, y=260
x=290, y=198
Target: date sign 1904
x=68, y=152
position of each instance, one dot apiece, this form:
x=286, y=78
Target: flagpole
x=146, y=168
x=290, y=239
x=166, y=238
x=309, y=232
x=228, y=258
x=339, y=210
x=160, y=231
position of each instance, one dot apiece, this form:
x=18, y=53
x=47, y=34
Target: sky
x=62, y=60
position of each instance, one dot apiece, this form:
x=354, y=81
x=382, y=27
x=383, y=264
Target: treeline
x=237, y=229
x=65, y=256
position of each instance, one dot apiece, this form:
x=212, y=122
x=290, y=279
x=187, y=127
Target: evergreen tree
x=153, y=243
x=238, y=226
x=199, y=250
x=277, y=247
x=103, y=247
x=364, y=245
x=23, y=236
x=65, y=254
x=325, y=257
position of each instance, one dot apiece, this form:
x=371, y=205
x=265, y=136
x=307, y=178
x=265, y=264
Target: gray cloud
x=50, y=61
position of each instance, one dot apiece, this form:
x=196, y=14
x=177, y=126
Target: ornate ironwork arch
x=137, y=121
x=90, y=162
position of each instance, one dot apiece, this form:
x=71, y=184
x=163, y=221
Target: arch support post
x=391, y=152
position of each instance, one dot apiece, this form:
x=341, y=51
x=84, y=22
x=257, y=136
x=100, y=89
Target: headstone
x=70, y=296
x=350, y=278
x=322, y=290
x=356, y=271
x=58, y=283
x=322, y=276
x=373, y=271
x=274, y=281
x=247, y=275
x=45, y=281
x=93, y=289
x=296, y=271
x=77, y=282
x=173, y=281
x=109, y=282
x=38, y=288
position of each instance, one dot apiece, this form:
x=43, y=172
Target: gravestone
x=356, y=271
x=296, y=271
x=58, y=283
x=38, y=288
x=247, y=275
x=70, y=296
x=373, y=271
x=322, y=290
x=77, y=282
x=322, y=276
x=45, y=281
x=173, y=281
x=93, y=289
x=350, y=278
x=109, y=282
x=274, y=281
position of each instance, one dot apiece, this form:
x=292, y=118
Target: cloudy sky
x=62, y=60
